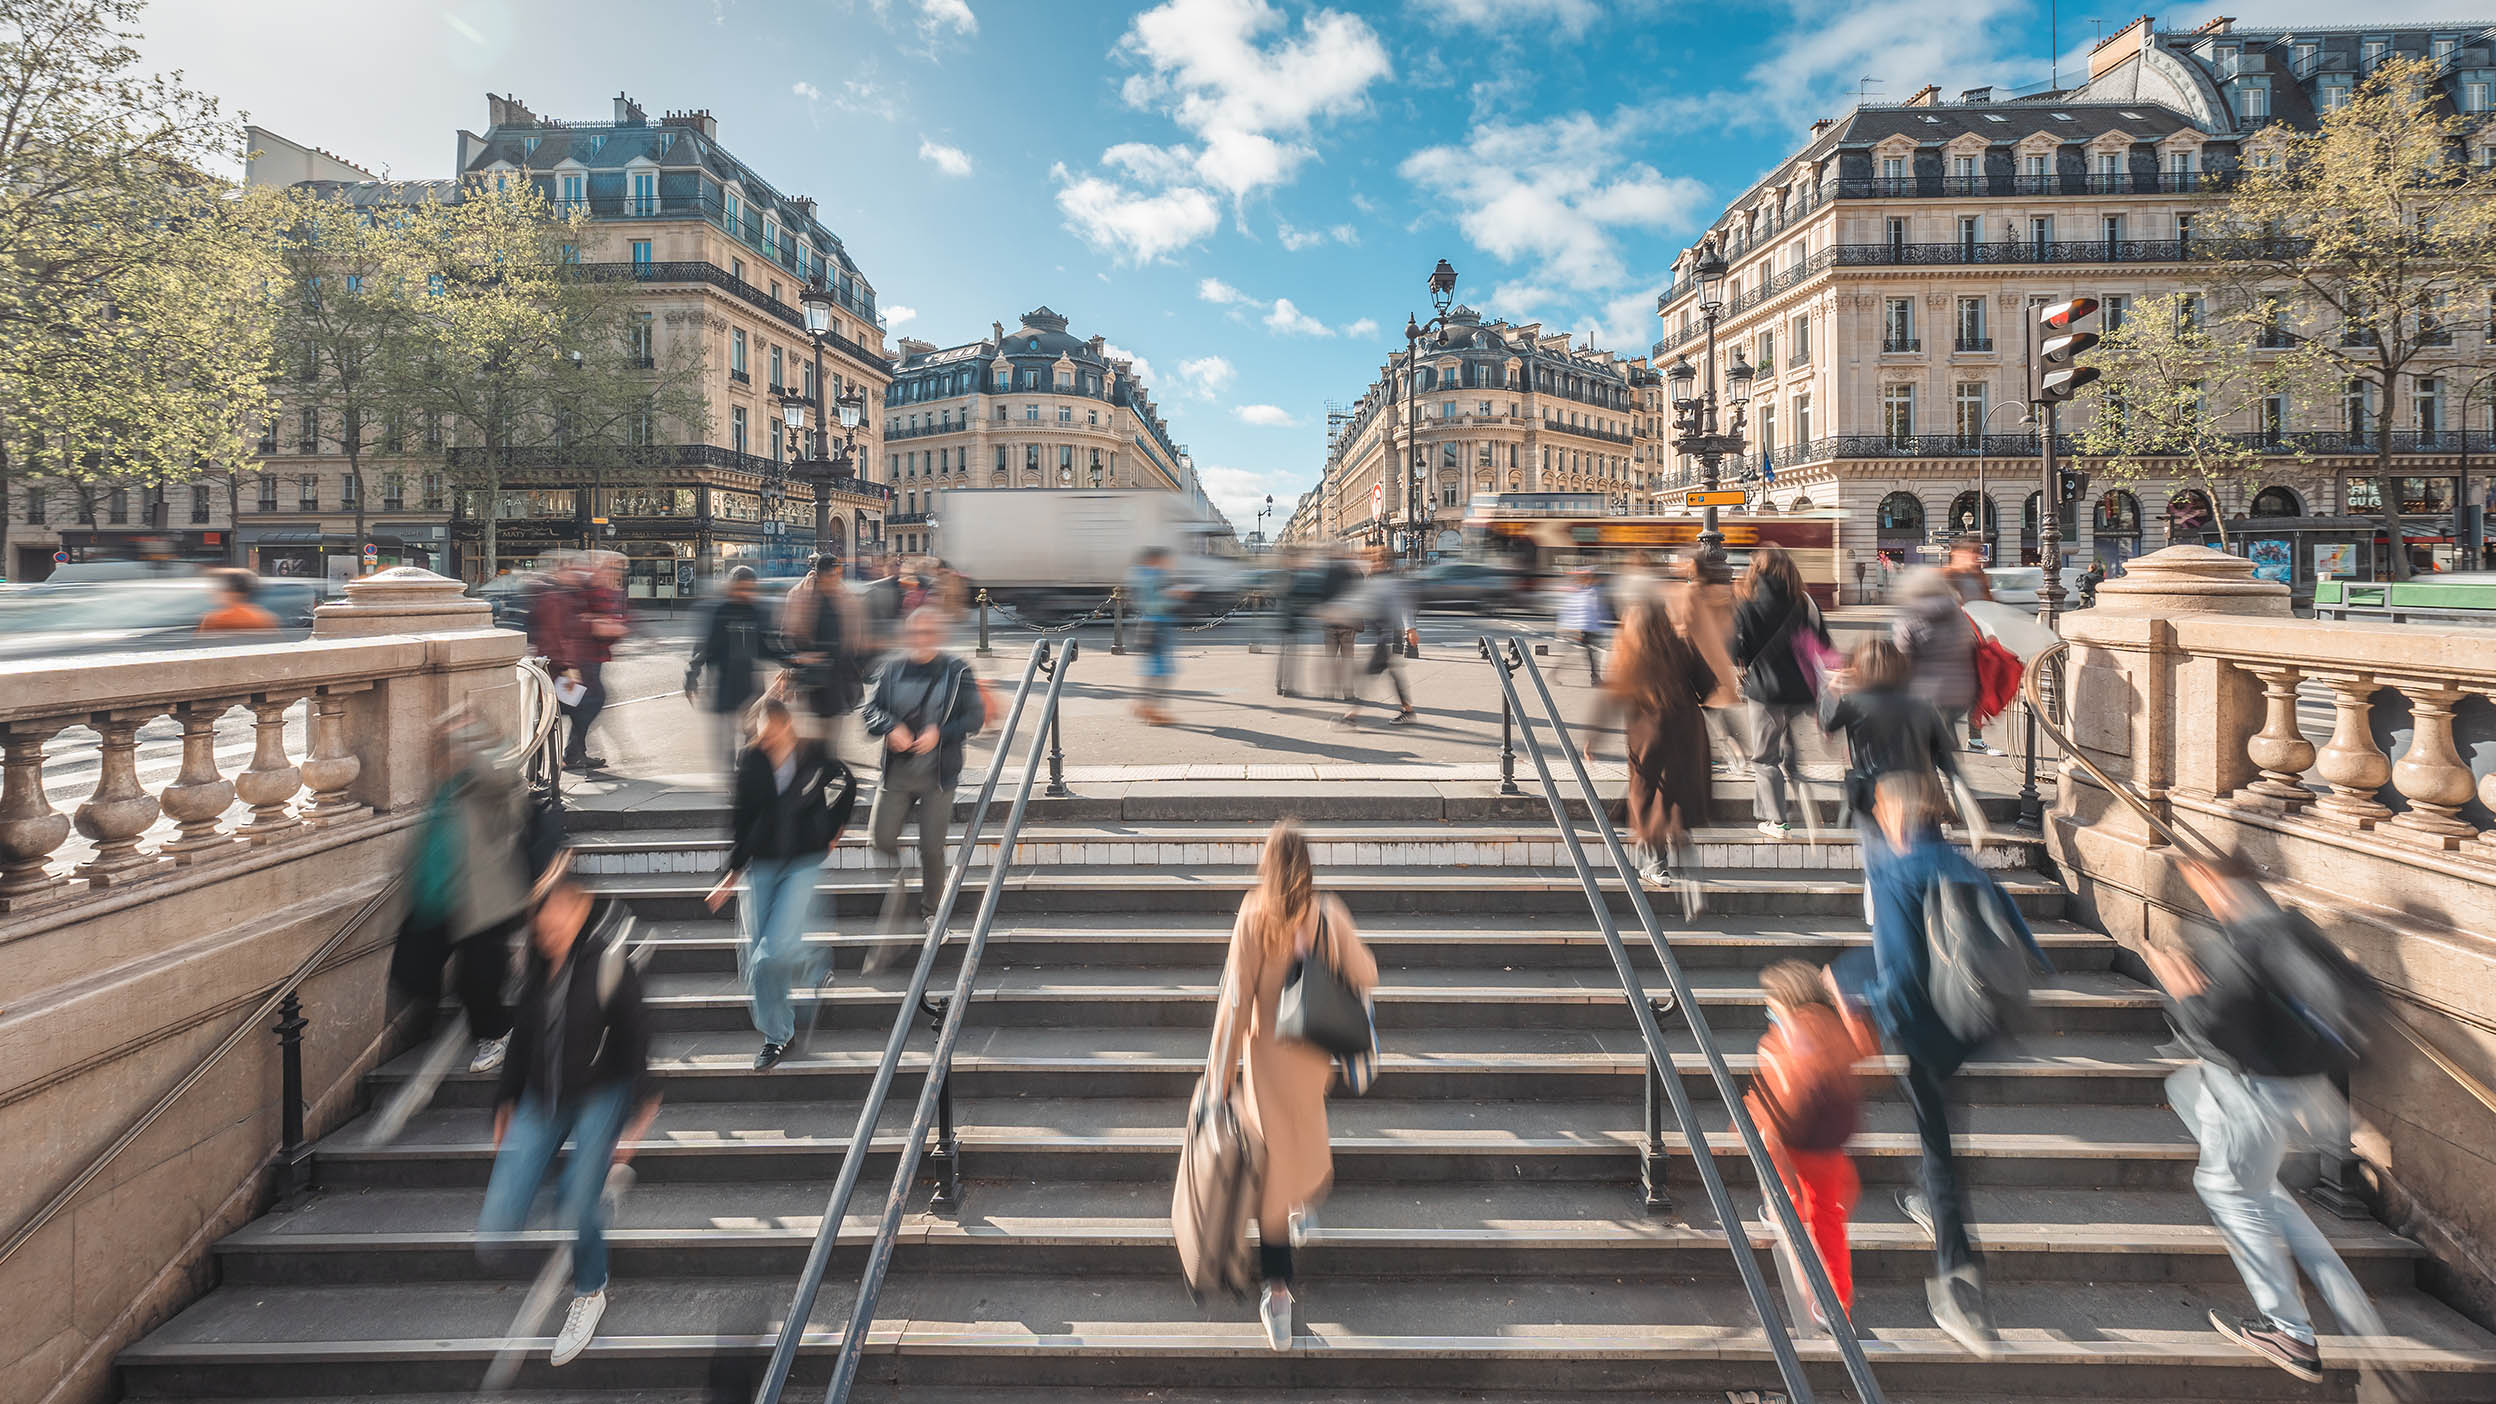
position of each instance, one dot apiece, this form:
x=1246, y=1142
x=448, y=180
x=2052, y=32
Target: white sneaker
x=580, y=1327
x=1303, y=1223
x=1774, y=829
x=1275, y=1309
x=489, y=1054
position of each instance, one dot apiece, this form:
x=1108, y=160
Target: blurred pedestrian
x=1699, y=594
x=233, y=611
x=789, y=800
x=583, y=618
x=578, y=1072
x=731, y=641
x=880, y=602
x=1807, y=1101
x=1151, y=598
x=1585, y=620
x=1660, y=682
x=1780, y=643
x=1283, y=925
x=1965, y=570
x=1896, y=981
x=924, y=707
x=467, y=890
x=822, y=627
x=1939, y=640
x=2274, y=1013
x=1382, y=605
x=1888, y=729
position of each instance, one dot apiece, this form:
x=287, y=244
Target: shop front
x=302, y=553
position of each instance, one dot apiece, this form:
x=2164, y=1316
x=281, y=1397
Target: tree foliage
x=2373, y=230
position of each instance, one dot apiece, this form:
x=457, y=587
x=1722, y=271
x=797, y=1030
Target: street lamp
x=824, y=463
x=1442, y=285
x=1702, y=427
x=1262, y=513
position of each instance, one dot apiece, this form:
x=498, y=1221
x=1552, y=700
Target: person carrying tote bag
x=1284, y=1079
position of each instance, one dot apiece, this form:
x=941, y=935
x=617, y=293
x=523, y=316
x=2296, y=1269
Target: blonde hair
x=1286, y=887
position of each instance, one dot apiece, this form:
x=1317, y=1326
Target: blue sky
x=1244, y=194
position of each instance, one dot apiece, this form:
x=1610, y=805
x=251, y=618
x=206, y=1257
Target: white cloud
x=1248, y=93
x=1206, y=377
x=1220, y=293
x=1295, y=239
x=1134, y=225
x=895, y=315
x=952, y=160
x=807, y=91
x=1366, y=326
x=936, y=17
x=1266, y=416
x=1241, y=493
x=1568, y=17
x=1291, y=321
x=1345, y=234
x=1832, y=44
x=1553, y=194
x=1143, y=368
x=867, y=97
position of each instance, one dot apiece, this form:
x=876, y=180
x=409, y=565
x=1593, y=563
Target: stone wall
x=2184, y=684
x=114, y=985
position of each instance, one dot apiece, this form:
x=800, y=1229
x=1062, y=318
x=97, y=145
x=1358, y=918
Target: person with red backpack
x=1806, y=1101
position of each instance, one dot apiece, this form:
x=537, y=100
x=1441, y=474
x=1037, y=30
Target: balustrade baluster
x=332, y=768
x=199, y=796
x=270, y=784
x=2430, y=774
x=2350, y=762
x=2279, y=749
x=119, y=810
x=30, y=828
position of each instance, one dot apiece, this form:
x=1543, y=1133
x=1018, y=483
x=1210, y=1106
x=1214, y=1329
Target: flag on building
x=1767, y=468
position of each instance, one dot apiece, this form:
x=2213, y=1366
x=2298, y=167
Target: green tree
x=133, y=345
x=540, y=370
x=2366, y=231
x=2174, y=377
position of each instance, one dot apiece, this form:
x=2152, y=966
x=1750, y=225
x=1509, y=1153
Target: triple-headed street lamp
x=1442, y=293
x=1701, y=428
x=825, y=462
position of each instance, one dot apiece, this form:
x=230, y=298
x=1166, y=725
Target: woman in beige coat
x=1280, y=924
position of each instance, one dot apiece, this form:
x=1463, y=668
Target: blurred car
x=511, y=596
x=1479, y=586
x=130, y=616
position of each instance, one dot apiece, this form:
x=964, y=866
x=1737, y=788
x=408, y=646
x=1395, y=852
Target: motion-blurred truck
x=1055, y=553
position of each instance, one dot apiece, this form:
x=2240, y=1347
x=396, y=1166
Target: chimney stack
x=1924, y=96
x=628, y=113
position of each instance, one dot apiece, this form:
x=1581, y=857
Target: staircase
x=1486, y=1239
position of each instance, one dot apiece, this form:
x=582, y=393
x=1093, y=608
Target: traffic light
x=2071, y=483
x=2055, y=374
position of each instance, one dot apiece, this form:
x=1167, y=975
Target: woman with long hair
x=1662, y=681
x=1283, y=922
x=1779, y=641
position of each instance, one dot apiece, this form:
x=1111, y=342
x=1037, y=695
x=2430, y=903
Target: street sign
x=1377, y=498
x=1722, y=497
x=60, y=558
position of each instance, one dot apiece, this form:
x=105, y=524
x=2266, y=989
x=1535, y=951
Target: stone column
x=120, y=810
x=2430, y=774
x=269, y=785
x=2279, y=748
x=389, y=730
x=30, y=828
x=199, y=796
x=2350, y=762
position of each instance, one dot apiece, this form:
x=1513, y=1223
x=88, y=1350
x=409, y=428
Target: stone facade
x=1037, y=407
x=1502, y=409
x=1883, y=277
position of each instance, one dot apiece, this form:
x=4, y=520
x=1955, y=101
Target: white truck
x=1056, y=552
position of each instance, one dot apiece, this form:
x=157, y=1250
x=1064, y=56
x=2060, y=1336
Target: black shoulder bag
x=1318, y=1007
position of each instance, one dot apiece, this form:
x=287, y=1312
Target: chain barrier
x=1247, y=601
x=1066, y=628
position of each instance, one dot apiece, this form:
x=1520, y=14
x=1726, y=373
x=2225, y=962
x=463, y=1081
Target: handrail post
x=1651, y=1164
x=984, y=650
x=948, y=1149
x=1507, y=729
x=1057, y=750
x=294, y=1156
x=1117, y=620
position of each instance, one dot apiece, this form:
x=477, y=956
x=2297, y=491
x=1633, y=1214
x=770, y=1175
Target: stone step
x=1600, y=1333
x=1422, y=1231
x=1466, y=1063
x=1376, y=1140
x=1201, y=941
x=1725, y=892
x=1332, y=848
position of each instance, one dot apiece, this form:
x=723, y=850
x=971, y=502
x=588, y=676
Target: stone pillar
x=468, y=661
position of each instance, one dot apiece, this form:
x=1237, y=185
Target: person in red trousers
x=1807, y=1102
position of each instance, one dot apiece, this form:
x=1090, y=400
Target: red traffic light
x=2062, y=315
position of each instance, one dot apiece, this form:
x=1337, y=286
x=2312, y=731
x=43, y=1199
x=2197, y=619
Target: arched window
x=2118, y=514
x=1963, y=515
x=1901, y=527
x=2188, y=514
x=2277, y=502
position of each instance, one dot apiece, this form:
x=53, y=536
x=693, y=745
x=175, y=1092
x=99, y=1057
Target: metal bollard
x=1117, y=620
x=294, y=1156
x=984, y=650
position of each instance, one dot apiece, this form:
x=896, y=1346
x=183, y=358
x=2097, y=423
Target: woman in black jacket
x=1888, y=729
x=789, y=801
x=578, y=1070
x=1775, y=625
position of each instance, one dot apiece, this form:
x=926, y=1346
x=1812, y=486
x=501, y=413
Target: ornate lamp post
x=1262, y=513
x=1702, y=428
x=824, y=463
x=1442, y=294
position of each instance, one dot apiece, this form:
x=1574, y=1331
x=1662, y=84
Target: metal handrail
x=1772, y=1185
x=940, y=1062
x=284, y=992
x=541, y=714
x=2194, y=845
x=854, y=1156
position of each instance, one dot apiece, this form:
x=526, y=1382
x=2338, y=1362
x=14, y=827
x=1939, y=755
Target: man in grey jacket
x=924, y=708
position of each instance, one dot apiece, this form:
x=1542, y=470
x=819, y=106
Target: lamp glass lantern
x=1738, y=376
x=851, y=405
x=1679, y=378
x=1710, y=272
x=817, y=301
x=1442, y=286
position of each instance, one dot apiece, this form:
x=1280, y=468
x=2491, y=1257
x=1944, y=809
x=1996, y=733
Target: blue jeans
x=779, y=895
x=536, y=1133
x=2246, y=1125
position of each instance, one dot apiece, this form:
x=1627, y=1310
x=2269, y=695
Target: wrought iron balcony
x=904, y=519
x=2007, y=184
x=1972, y=343
x=740, y=377
x=697, y=271
x=1896, y=345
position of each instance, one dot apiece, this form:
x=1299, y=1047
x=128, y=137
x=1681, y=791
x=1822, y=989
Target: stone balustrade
x=2349, y=762
x=402, y=648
